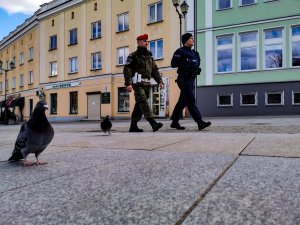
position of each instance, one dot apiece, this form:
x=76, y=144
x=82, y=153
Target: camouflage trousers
x=141, y=107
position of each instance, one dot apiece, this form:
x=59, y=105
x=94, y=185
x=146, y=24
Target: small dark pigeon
x=34, y=136
x=106, y=125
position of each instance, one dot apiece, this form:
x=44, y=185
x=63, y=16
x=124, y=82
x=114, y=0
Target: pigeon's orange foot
x=40, y=163
x=26, y=163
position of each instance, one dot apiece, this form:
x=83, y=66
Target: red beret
x=142, y=37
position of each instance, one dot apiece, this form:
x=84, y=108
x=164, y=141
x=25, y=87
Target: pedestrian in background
x=188, y=62
x=139, y=69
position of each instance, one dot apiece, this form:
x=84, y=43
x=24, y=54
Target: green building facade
x=250, y=57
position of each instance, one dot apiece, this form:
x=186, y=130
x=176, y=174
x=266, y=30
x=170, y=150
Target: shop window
x=53, y=102
x=74, y=102
x=274, y=98
x=123, y=100
x=224, y=100
x=155, y=12
x=296, y=97
x=248, y=99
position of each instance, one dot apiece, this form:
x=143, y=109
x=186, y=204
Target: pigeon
x=106, y=125
x=34, y=136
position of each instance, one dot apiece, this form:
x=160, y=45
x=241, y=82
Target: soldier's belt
x=146, y=80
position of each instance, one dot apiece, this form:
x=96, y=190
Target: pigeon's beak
x=46, y=107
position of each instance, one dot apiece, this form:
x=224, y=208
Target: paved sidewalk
x=238, y=171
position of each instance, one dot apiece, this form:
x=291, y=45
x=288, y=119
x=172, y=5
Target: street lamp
x=12, y=66
x=184, y=7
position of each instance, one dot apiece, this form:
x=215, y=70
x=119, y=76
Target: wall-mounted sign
x=105, y=98
x=62, y=85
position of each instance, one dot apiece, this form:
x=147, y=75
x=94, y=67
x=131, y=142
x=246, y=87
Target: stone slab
x=141, y=187
x=285, y=145
x=256, y=191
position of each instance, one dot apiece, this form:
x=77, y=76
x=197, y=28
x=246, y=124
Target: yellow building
x=78, y=50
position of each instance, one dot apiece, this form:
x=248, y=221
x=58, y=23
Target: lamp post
x=184, y=10
x=12, y=66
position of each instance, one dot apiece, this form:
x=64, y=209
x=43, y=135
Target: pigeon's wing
x=19, y=144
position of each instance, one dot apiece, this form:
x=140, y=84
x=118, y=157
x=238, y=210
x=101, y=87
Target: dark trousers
x=186, y=98
x=141, y=94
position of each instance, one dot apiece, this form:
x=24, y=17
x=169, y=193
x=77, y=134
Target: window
x=223, y=4
x=7, y=64
x=296, y=97
x=224, y=54
x=96, y=29
x=53, y=42
x=95, y=6
x=21, y=58
x=96, y=61
x=53, y=68
x=157, y=49
x=74, y=102
x=122, y=55
x=73, y=65
x=72, y=15
x=296, y=45
x=247, y=2
x=30, y=77
x=155, y=12
x=274, y=98
x=73, y=36
x=273, y=44
x=53, y=102
x=0, y=86
x=21, y=80
x=123, y=22
x=30, y=53
x=248, y=51
x=248, y=99
x=123, y=100
x=13, y=83
x=224, y=100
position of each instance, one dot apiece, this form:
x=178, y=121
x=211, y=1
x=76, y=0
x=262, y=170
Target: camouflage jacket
x=141, y=61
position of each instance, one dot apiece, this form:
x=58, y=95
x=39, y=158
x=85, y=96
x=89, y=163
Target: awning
x=17, y=102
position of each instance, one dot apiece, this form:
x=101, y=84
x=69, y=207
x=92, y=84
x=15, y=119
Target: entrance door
x=94, y=106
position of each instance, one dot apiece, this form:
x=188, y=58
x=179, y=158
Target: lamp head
x=184, y=8
x=176, y=2
x=12, y=65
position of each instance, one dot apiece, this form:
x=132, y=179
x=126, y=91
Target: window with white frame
x=96, y=61
x=30, y=77
x=224, y=53
x=53, y=68
x=53, y=42
x=30, y=53
x=73, y=65
x=157, y=49
x=122, y=55
x=273, y=48
x=296, y=45
x=274, y=98
x=96, y=30
x=123, y=22
x=73, y=36
x=155, y=12
x=224, y=4
x=296, y=97
x=21, y=84
x=248, y=99
x=224, y=100
x=13, y=82
x=248, y=51
x=247, y=2
x=21, y=58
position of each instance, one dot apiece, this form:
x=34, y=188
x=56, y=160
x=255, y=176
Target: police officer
x=188, y=62
x=139, y=69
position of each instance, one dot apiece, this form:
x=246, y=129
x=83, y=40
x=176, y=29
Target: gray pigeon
x=106, y=125
x=34, y=136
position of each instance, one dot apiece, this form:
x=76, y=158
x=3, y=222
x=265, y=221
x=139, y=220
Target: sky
x=14, y=12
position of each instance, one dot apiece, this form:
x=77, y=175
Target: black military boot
x=155, y=126
x=202, y=124
x=175, y=124
x=134, y=127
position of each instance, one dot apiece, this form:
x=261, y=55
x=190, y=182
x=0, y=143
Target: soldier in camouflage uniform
x=139, y=69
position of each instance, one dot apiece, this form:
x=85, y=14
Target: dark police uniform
x=188, y=62
x=141, y=62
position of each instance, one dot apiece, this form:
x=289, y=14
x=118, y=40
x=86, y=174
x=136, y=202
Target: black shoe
x=176, y=125
x=157, y=126
x=202, y=125
x=135, y=129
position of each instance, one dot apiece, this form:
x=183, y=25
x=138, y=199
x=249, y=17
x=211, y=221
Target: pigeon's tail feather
x=16, y=156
